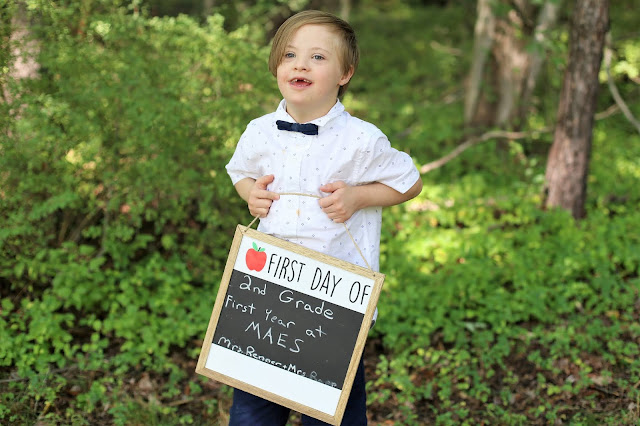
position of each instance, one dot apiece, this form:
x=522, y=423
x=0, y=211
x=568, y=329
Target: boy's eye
x=289, y=55
x=318, y=57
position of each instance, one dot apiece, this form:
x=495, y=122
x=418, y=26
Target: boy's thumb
x=263, y=181
x=326, y=188
x=331, y=187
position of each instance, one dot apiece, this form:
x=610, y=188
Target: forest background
x=117, y=119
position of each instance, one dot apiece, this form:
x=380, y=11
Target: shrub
x=117, y=211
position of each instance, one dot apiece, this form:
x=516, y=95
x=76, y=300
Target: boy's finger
x=268, y=194
x=333, y=186
x=263, y=181
x=261, y=186
x=325, y=201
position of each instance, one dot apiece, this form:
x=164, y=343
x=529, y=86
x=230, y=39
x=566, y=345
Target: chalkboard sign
x=289, y=324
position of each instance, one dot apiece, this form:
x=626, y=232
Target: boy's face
x=310, y=73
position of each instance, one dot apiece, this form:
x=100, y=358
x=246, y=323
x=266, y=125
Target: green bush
x=117, y=211
x=495, y=281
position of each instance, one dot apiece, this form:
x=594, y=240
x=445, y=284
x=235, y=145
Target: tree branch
x=612, y=87
x=492, y=134
x=613, y=109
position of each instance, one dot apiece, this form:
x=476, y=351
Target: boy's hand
x=341, y=204
x=345, y=200
x=259, y=199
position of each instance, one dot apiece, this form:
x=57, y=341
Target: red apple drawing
x=256, y=258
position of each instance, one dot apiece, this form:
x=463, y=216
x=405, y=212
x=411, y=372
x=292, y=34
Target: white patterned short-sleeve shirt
x=347, y=149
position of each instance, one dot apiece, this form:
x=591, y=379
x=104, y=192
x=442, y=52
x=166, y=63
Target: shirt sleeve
x=242, y=164
x=385, y=164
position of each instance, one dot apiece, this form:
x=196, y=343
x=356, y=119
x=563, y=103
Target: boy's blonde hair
x=348, y=43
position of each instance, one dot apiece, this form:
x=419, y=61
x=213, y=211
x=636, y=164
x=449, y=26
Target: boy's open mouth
x=300, y=82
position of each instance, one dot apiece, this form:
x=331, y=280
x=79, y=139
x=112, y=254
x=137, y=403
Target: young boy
x=348, y=162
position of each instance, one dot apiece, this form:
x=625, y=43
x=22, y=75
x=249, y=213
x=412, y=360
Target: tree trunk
x=546, y=21
x=18, y=50
x=25, y=48
x=207, y=7
x=482, y=41
x=6, y=57
x=568, y=163
x=500, y=97
x=513, y=65
x=345, y=9
x=6, y=19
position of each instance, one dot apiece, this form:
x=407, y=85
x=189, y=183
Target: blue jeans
x=250, y=410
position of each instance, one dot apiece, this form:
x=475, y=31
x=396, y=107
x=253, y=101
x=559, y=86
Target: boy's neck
x=301, y=115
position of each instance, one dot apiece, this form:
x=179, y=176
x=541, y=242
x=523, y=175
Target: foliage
x=117, y=214
x=262, y=17
x=418, y=82
x=497, y=281
x=116, y=208
x=7, y=10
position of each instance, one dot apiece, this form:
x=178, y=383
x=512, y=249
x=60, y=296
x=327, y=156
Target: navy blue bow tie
x=307, y=129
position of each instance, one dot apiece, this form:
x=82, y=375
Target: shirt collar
x=335, y=111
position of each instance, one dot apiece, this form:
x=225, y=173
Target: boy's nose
x=301, y=64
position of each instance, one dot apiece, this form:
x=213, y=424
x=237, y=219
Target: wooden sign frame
x=312, y=287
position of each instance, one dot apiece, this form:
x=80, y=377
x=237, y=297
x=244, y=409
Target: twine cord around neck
x=345, y=225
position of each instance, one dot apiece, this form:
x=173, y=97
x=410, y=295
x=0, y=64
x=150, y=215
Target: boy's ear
x=347, y=76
